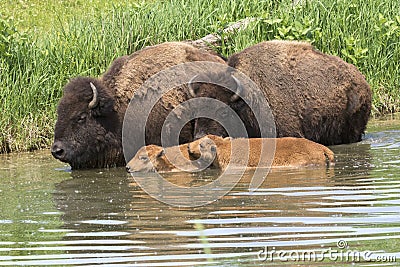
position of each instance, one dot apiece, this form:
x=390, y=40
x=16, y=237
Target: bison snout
x=129, y=169
x=58, y=151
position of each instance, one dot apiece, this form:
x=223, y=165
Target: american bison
x=289, y=152
x=311, y=95
x=211, y=87
x=217, y=152
x=88, y=131
x=153, y=158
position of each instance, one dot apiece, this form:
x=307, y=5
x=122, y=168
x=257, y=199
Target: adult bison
x=91, y=112
x=311, y=95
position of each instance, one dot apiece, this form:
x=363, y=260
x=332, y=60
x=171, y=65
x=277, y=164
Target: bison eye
x=82, y=118
x=143, y=158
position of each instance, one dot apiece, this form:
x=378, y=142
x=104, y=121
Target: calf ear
x=161, y=153
x=189, y=149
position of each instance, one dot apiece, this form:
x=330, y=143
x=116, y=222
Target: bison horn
x=239, y=89
x=191, y=88
x=95, y=100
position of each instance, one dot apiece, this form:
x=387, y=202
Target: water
x=50, y=216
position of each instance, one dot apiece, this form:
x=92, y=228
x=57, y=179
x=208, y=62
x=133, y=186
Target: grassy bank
x=40, y=49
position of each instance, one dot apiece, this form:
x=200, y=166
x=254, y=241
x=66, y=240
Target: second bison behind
x=220, y=152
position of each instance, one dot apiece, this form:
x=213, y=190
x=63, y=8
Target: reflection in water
x=103, y=217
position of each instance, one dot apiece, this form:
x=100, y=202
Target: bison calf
x=289, y=152
x=153, y=158
x=215, y=151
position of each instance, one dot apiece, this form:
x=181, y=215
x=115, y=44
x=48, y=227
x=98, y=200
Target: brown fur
x=311, y=94
x=211, y=87
x=289, y=152
x=92, y=138
x=145, y=63
x=153, y=158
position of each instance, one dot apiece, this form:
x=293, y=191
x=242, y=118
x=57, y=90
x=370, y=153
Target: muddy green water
x=345, y=216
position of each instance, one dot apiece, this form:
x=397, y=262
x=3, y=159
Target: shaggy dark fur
x=208, y=88
x=87, y=137
x=91, y=137
x=311, y=94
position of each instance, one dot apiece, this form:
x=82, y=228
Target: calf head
x=147, y=159
x=205, y=148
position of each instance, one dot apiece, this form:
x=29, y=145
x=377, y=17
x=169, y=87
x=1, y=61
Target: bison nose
x=57, y=150
x=129, y=169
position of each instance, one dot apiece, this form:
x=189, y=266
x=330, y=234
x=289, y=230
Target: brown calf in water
x=289, y=152
x=219, y=152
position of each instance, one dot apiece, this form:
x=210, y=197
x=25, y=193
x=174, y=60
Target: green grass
x=43, y=44
x=39, y=15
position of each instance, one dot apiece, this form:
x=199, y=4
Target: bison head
x=87, y=132
x=211, y=87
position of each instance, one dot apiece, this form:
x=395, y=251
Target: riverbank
x=41, y=49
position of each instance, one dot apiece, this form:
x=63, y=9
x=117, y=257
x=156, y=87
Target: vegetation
x=48, y=43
